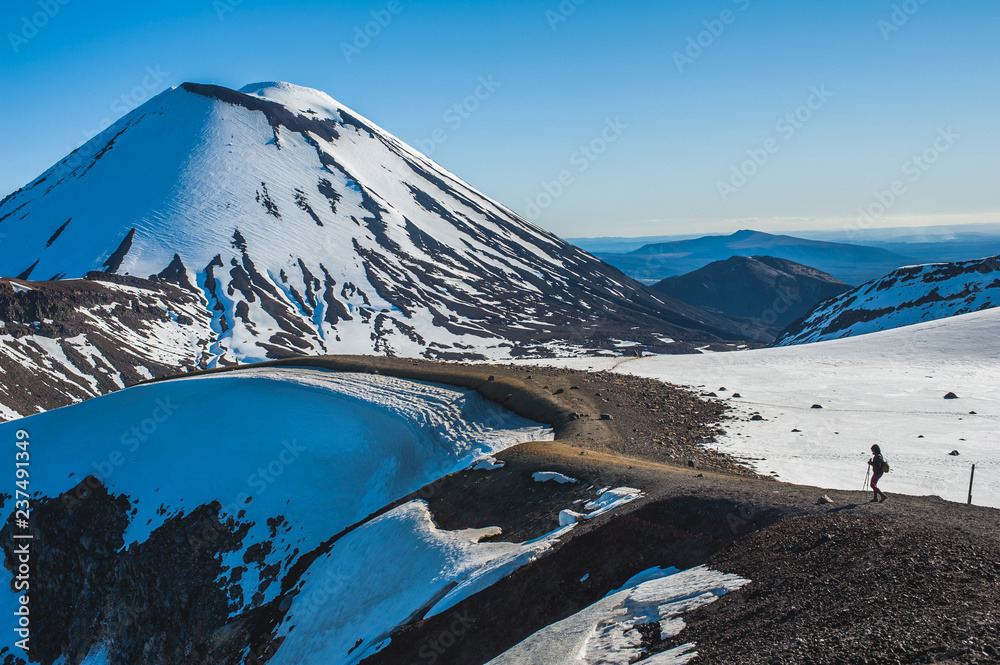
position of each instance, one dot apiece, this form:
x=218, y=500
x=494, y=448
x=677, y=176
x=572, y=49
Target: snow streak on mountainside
x=307, y=229
x=199, y=519
x=903, y=297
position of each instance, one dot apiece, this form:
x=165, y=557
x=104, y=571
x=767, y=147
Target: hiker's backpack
x=885, y=466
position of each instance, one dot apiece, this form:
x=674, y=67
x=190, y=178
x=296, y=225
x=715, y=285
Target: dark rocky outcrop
x=101, y=329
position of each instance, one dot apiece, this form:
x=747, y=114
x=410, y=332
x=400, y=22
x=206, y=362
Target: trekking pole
x=971, y=476
x=866, y=477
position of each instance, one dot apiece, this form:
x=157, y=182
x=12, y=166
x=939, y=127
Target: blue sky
x=600, y=118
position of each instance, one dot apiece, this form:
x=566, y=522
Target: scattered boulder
x=756, y=416
x=737, y=395
x=972, y=413
x=491, y=378
x=951, y=396
x=825, y=499
x=693, y=464
x=954, y=453
x=816, y=406
x=559, y=392
x=796, y=430
x=574, y=387
x=920, y=436
x=607, y=416
x=722, y=389
x=709, y=395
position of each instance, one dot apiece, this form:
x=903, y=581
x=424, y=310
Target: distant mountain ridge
x=852, y=264
x=765, y=292
x=906, y=296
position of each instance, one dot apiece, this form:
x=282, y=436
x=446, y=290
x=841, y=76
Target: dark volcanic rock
x=155, y=602
x=851, y=588
x=74, y=339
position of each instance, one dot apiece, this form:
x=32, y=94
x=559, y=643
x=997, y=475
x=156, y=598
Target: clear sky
x=596, y=118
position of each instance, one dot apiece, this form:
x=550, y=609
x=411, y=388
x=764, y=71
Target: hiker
x=876, y=463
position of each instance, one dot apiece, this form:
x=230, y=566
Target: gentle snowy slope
x=308, y=229
x=886, y=388
x=296, y=456
x=903, y=297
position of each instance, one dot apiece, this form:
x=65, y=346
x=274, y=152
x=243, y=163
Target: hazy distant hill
x=766, y=292
x=853, y=264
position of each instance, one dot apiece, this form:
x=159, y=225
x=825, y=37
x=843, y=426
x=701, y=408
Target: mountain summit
x=302, y=228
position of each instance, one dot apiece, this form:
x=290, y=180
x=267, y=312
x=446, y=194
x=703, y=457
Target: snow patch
x=604, y=633
x=546, y=476
x=323, y=449
x=360, y=592
x=611, y=499
x=488, y=464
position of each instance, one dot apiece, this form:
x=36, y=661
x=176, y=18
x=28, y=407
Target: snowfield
x=886, y=388
x=324, y=450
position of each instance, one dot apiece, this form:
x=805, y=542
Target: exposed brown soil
x=912, y=580
x=864, y=586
